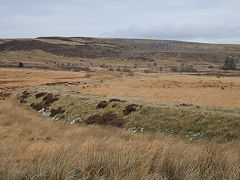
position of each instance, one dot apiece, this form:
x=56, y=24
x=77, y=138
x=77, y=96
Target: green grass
x=193, y=123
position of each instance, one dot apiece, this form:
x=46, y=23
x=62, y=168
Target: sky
x=209, y=21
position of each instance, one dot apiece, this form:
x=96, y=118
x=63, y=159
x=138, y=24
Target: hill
x=82, y=51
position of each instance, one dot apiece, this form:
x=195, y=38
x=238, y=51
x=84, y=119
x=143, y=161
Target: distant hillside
x=126, y=49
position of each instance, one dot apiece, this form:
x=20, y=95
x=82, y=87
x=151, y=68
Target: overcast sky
x=214, y=21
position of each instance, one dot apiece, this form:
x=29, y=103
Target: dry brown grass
x=197, y=90
x=17, y=78
x=34, y=147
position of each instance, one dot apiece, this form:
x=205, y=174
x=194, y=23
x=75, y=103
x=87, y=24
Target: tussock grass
x=34, y=147
x=190, y=122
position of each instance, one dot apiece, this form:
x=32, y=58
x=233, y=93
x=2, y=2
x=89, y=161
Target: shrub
x=102, y=104
x=130, y=108
x=229, y=64
x=20, y=65
x=108, y=118
x=40, y=95
x=56, y=111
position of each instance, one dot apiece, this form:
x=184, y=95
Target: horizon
x=200, y=21
x=124, y=38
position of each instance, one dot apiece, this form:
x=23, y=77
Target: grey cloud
x=198, y=20
x=187, y=32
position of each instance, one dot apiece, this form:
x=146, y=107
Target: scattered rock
x=46, y=113
x=78, y=120
x=102, y=104
x=108, y=119
x=130, y=108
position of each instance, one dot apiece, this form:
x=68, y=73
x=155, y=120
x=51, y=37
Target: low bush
x=108, y=118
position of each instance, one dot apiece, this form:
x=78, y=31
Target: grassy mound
x=191, y=122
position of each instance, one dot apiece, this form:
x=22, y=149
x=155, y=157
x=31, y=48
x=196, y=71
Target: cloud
x=198, y=20
x=187, y=32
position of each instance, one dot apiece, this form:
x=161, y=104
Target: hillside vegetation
x=81, y=51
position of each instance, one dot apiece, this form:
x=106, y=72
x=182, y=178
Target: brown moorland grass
x=35, y=147
x=13, y=79
x=198, y=90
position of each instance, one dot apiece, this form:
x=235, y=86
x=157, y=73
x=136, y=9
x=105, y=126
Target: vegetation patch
x=24, y=96
x=114, y=105
x=108, y=118
x=49, y=99
x=45, y=103
x=130, y=108
x=114, y=100
x=183, y=120
x=37, y=106
x=102, y=104
x=184, y=104
x=38, y=95
x=56, y=111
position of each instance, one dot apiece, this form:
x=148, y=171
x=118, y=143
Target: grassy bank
x=35, y=147
x=188, y=121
